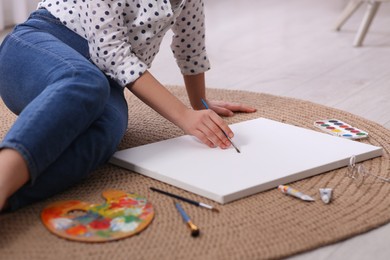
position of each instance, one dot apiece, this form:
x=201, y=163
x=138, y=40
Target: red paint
x=100, y=224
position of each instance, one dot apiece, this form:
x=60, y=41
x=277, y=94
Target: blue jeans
x=71, y=117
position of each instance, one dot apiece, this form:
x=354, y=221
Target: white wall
x=15, y=11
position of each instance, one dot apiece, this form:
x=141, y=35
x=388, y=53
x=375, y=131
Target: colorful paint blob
x=340, y=128
x=122, y=215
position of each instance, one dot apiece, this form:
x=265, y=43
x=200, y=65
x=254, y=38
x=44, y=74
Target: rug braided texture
x=267, y=225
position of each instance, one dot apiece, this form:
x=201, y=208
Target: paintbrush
x=193, y=202
x=194, y=229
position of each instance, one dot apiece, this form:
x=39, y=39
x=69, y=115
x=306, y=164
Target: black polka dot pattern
x=124, y=36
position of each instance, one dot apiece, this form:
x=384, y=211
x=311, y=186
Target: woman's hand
x=223, y=108
x=207, y=126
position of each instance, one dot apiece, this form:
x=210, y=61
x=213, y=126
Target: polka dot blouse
x=124, y=36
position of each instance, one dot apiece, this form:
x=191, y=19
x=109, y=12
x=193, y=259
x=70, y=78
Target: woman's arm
x=206, y=125
x=196, y=90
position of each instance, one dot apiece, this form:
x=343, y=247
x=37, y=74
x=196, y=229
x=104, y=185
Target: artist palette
x=122, y=215
x=340, y=128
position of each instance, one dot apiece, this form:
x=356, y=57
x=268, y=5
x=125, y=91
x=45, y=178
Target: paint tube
x=326, y=195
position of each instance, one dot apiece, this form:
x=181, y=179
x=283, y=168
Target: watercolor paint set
x=339, y=128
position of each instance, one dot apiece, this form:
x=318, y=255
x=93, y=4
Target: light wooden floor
x=287, y=48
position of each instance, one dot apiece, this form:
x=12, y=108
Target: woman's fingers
x=223, y=111
x=228, y=108
x=203, y=138
x=214, y=127
x=209, y=128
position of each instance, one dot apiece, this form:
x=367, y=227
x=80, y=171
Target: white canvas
x=272, y=153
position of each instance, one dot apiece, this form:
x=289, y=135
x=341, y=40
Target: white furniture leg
x=2, y=22
x=372, y=8
x=351, y=7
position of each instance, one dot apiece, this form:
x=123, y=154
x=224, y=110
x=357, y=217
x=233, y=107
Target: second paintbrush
x=196, y=203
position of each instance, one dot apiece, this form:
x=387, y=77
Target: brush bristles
x=195, y=232
x=194, y=229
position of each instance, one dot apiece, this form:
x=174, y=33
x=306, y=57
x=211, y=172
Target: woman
x=64, y=72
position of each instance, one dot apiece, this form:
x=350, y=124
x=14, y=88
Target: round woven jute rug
x=267, y=225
